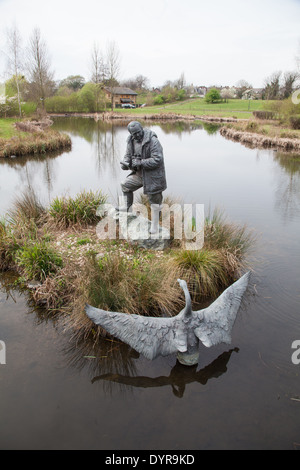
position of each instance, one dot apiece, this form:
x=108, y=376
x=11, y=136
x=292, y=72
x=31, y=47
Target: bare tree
x=15, y=59
x=272, y=86
x=140, y=82
x=242, y=85
x=40, y=74
x=99, y=72
x=289, y=80
x=113, y=61
x=181, y=82
x=98, y=67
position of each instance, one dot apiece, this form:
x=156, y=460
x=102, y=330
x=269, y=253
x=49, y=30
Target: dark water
x=53, y=396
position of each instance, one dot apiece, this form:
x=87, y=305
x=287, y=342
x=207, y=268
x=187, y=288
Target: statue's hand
x=136, y=163
x=124, y=166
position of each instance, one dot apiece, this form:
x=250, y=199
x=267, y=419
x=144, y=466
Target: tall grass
x=37, y=143
x=8, y=246
x=203, y=270
x=81, y=210
x=119, y=284
x=38, y=260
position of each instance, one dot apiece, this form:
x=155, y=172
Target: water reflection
x=287, y=193
x=108, y=360
x=179, y=377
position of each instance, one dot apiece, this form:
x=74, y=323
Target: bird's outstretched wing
x=216, y=321
x=149, y=336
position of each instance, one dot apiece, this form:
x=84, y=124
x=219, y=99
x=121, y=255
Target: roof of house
x=120, y=90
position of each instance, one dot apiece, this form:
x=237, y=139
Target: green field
x=7, y=129
x=241, y=109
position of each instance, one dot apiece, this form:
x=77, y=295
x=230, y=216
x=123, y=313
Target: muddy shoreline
x=256, y=140
x=147, y=117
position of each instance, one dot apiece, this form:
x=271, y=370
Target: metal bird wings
x=153, y=336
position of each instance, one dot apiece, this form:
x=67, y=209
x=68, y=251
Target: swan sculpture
x=156, y=336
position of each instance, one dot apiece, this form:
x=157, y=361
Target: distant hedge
x=295, y=121
x=264, y=114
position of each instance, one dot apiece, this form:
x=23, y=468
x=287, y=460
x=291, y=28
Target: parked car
x=127, y=105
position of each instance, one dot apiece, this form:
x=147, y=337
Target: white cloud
x=210, y=41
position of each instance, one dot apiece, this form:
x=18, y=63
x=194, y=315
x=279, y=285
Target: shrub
x=25, y=208
x=295, y=121
x=251, y=126
x=264, y=114
x=8, y=246
x=212, y=96
x=38, y=260
x=159, y=99
x=203, y=270
x=66, y=211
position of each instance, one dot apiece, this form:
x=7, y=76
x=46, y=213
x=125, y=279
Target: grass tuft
x=38, y=260
x=81, y=210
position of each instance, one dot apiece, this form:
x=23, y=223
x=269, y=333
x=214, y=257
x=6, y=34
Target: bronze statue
x=160, y=336
x=144, y=157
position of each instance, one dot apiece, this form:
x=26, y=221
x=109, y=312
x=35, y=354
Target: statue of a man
x=144, y=156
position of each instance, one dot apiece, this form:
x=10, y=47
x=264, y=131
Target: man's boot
x=155, y=211
x=126, y=203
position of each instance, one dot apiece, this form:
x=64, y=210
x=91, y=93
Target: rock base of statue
x=135, y=228
x=188, y=359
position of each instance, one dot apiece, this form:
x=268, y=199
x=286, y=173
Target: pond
x=57, y=394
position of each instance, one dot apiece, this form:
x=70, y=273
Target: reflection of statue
x=179, y=376
x=144, y=156
x=153, y=336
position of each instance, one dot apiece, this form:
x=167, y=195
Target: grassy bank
x=7, y=129
x=56, y=251
x=241, y=109
x=262, y=133
x=29, y=139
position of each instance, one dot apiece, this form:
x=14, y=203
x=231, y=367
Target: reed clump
x=221, y=259
x=34, y=143
x=82, y=209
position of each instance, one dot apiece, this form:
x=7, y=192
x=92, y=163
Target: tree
x=289, y=80
x=40, y=74
x=74, y=82
x=272, y=86
x=227, y=93
x=113, y=61
x=98, y=66
x=14, y=86
x=181, y=82
x=139, y=83
x=15, y=60
x=212, y=96
x=99, y=71
x=242, y=85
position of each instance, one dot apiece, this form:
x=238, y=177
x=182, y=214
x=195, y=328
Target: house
x=252, y=94
x=201, y=90
x=120, y=95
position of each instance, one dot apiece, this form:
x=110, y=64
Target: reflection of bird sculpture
x=154, y=337
x=179, y=377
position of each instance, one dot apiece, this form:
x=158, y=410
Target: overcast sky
x=214, y=42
